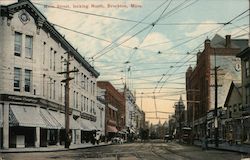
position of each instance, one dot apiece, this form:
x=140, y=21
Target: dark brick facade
x=115, y=99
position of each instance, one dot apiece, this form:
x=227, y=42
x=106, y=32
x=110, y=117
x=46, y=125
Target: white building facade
x=32, y=53
x=100, y=114
x=130, y=110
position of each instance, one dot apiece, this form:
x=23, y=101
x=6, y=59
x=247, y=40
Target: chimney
x=228, y=41
x=207, y=44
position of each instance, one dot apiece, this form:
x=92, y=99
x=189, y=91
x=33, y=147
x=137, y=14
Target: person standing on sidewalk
x=204, y=143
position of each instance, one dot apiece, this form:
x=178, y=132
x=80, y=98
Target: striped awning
x=49, y=119
x=60, y=117
x=1, y=116
x=86, y=125
x=27, y=116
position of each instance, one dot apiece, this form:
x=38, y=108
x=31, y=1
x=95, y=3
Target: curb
x=50, y=150
x=225, y=149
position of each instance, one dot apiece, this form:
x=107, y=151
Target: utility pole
x=179, y=108
x=216, y=131
x=66, y=81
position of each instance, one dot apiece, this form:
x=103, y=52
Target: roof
x=9, y=10
x=244, y=53
x=219, y=42
x=233, y=85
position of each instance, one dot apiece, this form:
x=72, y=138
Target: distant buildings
x=179, y=116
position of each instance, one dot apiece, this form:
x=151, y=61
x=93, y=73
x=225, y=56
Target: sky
x=146, y=44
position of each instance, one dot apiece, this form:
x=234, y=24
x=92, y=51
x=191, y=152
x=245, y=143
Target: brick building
x=200, y=79
x=115, y=108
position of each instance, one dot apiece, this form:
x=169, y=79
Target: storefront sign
x=15, y=98
x=33, y=100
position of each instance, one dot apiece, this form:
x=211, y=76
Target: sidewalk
x=52, y=148
x=242, y=148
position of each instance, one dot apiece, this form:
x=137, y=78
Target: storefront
x=25, y=123
x=88, y=130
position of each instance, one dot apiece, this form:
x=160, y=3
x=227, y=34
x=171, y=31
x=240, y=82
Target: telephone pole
x=66, y=81
x=180, y=133
x=216, y=131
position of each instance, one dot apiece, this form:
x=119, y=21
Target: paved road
x=131, y=151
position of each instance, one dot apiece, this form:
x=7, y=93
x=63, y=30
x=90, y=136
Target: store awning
x=111, y=129
x=27, y=116
x=132, y=130
x=1, y=117
x=86, y=125
x=50, y=120
x=60, y=117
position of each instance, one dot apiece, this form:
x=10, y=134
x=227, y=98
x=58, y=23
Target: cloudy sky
x=147, y=44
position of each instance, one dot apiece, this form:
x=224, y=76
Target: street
x=153, y=150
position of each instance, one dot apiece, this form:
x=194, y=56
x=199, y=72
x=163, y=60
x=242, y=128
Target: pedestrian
x=97, y=137
x=204, y=144
x=230, y=137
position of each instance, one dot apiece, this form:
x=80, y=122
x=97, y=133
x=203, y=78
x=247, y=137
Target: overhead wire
x=122, y=35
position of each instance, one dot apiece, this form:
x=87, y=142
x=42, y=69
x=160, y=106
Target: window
x=44, y=85
x=84, y=103
x=44, y=49
x=82, y=80
x=27, y=80
x=248, y=95
x=62, y=92
x=93, y=88
x=87, y=84
x=50, y=87
x=85, y=79
x=28, y=46
x=247, y=68
x=87, y=105
x=54, y=62
x=62, y=64
x=81, y=102
x=18, y=44
x=50, y=59
x=17, y=79
x=76, y=100
x=54, y=90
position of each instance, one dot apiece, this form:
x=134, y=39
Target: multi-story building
x=32, y=52
x=245, y=64
x=100, y=118
x=135, y=117
x=115, y=109
x=218, y=53
x=130, y=102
